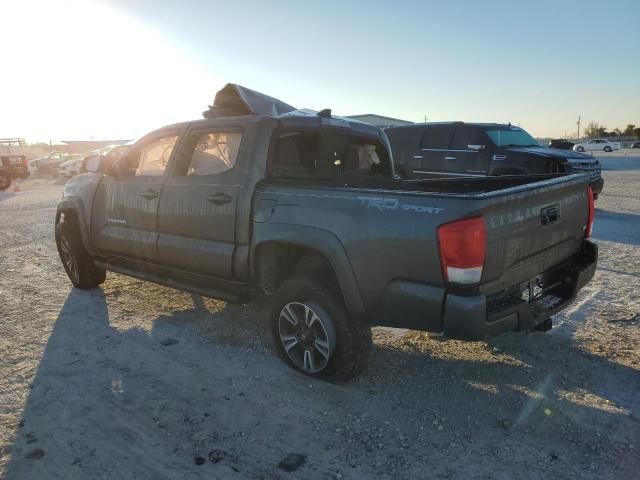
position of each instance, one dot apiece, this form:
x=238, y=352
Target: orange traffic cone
x=16, y=186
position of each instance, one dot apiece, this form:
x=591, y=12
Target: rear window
x=327, y=155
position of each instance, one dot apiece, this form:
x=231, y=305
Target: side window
x=154, y=156
x=296, y=155
x=327, y=155
x=214, y=153
x=436, y=137
x=465, y=136
x=366, y=157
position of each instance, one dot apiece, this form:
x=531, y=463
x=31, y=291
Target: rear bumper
x=478, y=316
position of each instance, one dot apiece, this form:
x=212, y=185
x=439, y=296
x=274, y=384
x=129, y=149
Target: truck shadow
x=617, y=227
x=139, y=403
x=4, y=195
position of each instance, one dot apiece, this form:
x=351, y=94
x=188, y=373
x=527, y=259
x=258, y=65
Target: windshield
x=511, y=137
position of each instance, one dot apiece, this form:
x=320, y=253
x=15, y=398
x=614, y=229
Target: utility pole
x=425, y=119
x=578, y=128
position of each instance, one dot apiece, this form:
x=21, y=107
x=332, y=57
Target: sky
x=110, y=69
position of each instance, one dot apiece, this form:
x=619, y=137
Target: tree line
x=593, y=130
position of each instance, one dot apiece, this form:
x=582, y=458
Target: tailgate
x=533, y=229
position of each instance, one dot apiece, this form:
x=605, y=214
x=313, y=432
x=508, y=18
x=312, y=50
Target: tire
x=328, y=345
x=607, y=149
x=76, y=261
x=579, y=149
x=5, y=181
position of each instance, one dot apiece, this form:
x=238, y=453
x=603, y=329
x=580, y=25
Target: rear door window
x=296, y=155
x=327, y=155
x=465, y=136
x=436, y=137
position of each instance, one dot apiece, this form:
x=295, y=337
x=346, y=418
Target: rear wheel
x=580, y=149
x=76, y=261
x=312, y=331
x=5, y=181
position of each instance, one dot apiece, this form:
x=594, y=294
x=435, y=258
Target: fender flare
x=77, y=206
x=324, y=242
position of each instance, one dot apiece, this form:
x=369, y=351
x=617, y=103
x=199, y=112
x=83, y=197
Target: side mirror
x=476, y=147
x=92, y=163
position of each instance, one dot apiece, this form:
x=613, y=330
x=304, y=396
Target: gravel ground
x=134, y=380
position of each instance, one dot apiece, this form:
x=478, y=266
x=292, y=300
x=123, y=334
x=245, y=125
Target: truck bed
x=389, y=227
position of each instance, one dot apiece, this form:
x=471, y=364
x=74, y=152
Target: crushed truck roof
x=233, y=100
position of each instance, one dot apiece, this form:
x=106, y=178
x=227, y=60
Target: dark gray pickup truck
x=306, y=209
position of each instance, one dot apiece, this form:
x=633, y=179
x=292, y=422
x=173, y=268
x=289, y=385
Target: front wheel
x=5, y=181
x=313, y=333
x=607, y=149
x=76, y=261
x=579, y=149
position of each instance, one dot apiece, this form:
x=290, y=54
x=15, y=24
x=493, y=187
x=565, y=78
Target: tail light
x=592, y=212
x=25, y=163
x=463, y=245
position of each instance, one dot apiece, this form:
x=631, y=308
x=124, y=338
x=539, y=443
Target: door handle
x=449, y=158
x=149, y=194
x=219, y=198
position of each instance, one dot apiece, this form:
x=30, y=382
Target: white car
x=70, y=168
x=596, y=145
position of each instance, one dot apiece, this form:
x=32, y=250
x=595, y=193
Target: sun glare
x=84, y=69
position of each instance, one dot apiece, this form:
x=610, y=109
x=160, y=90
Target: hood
x=234, y=100
x=568, y=155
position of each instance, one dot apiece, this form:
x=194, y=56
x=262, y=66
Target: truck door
x=125, y=206
x=196, y=217
x=468, y=153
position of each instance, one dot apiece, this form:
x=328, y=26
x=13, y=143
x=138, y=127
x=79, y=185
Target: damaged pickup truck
x=305, y=208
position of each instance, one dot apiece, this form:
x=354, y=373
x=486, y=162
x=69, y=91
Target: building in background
x=380, y=120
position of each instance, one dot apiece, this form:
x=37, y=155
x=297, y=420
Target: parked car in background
x=458, y=149
x=635, y=145
x=561, y=144
x=70, y=168
x=49, y=163
x=13, y=163
x=597, y=145
x=12, y=166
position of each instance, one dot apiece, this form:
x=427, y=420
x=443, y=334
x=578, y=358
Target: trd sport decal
x=393, y=204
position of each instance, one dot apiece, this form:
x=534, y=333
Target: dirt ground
x=137, y=381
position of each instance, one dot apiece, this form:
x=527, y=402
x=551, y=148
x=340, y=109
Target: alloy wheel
x=69, y=260
x=307, y=335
